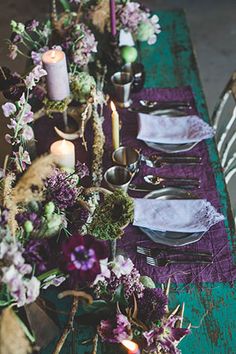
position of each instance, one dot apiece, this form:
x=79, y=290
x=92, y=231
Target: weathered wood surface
x=212, y=308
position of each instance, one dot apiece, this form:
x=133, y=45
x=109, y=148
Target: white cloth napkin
x=176, y=130
x=181, y=215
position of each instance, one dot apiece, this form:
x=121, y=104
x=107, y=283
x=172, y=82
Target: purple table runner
x=215, y=240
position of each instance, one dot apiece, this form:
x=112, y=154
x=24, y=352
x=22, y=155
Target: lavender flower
x=8, y=109
x=62, y=189
x=31, y=25
x=152, y=306
x=116, y=330
x=165, y=337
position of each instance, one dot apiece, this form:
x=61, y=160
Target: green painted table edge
x=210, y=307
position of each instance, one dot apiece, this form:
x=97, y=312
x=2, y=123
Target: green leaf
x=119, y=296
x=65, y=4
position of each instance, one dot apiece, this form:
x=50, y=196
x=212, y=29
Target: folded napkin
x=181, y=215
x=167, y=130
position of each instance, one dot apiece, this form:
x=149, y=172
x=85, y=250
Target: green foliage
x=65, y=4
x=111, y=216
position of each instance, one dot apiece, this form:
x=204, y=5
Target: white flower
x=32, y=289
x=122, y=266
x=105, y=271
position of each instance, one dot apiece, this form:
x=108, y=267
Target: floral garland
x=46, y=212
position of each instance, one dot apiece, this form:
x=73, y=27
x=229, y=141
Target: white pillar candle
x=64, y=153
x=54, y=62
x=115, y=127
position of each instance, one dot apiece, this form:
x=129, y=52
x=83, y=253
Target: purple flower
x=152, y=306
x=165, y=337
x=22, y=158
x=62, y=189
x=37, y=252
x=85, y=46
x=15, y=38
x=37, y=56
x=8, y=109
x=31, y=25
x=81, y=169
x=3, y=216
x=81, y=255
x=115, y=330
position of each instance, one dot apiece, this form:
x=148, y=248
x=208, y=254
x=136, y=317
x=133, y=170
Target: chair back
x=224, y=122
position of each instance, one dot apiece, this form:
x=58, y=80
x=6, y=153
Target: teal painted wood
x=212, y=308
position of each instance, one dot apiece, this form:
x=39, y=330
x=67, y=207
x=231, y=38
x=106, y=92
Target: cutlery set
x=161, y=257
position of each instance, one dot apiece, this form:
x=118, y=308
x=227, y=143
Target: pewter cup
x=138, y=73
x=127, y=157
x=118, y=177
x=122, y=83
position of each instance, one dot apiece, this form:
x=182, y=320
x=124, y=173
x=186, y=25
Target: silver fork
x=152, y=252
x=162, y=262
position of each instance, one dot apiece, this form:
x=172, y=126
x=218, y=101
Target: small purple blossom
x=85, y=46
x=116, y=330
x=22, y=159
x=62, y=189
x=3, y=216
x=31, y=25
x=37, y=252
x=16, y=38
x=37, y=56
x=81, y=169
x=27, y=133
x=8, y=109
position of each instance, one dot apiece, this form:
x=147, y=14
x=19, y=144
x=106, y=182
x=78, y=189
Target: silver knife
x=149, y=187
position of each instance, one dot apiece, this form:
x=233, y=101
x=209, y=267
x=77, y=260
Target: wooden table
x=212, y=308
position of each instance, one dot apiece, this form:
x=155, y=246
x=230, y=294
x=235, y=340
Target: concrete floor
x=212, y=25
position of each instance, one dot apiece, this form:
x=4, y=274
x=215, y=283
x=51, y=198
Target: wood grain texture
x=210, y=308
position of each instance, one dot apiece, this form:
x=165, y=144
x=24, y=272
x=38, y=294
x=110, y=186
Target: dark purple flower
x=152, y=306
x=31, y=25
x=81, y=255
x=3, y=216
x=62, y=189
x=115, y=330
x=81, y=169
x=16, y=38
x=165, y=337
x=31, y=216
x=37, y=252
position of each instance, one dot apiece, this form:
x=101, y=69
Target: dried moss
x=112, y=216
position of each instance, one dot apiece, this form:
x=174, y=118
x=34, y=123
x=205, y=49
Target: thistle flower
x=116, y=330
x=152, y=306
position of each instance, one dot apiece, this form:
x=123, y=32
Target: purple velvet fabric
x=215, y=241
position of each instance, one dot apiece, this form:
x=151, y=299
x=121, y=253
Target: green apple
x=129, y=54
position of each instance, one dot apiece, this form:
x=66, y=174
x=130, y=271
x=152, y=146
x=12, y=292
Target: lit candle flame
x=113, y=107
x=131, y=346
